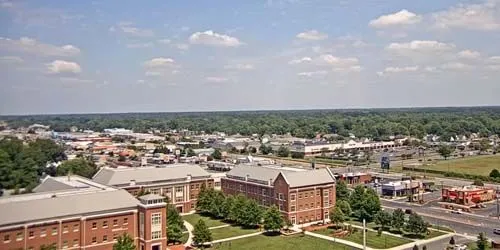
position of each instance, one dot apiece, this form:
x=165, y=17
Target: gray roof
x=151, y=197
x=308, y=178
x=255, y=172
x=116, y=177
x=35, y=207
x=74, y=182
x=51, y=184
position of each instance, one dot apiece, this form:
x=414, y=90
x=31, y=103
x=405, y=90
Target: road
x=465, y=224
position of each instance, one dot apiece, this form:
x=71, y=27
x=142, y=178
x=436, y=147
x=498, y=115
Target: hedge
x=454, y=174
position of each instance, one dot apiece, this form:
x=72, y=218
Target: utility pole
x=364, y=234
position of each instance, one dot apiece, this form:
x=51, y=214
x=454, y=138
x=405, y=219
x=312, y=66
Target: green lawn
x=231, y=231
x=372, y=239
x=479, y=165
x=194, y=218
x=262, y=242
x=184, y=238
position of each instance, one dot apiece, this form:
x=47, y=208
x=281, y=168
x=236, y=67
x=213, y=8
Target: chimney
x=189, y=176
x=132, y=183
x=246, y=178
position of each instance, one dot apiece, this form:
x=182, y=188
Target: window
x=105, y=224
x=300, y=207
x=281, y=197
x=76, y=228
x=155, y=219
x=31, y=248
x=19, y=236
x=94, y=225
x=197, y=186
x=43, y=232
x=300, y=195
x=292, y=208
x=155, y=235
x=54, y=231
x=305, y=194
x=75, y=242
x=31, y=234
x=65, y=229
x=104, y=238
x=125, y=221
x=241, y=187
x=65, y=244
x=94, y=240
x=327, y=215
x=6, y=238
x=264, y=192
x=192, y=186
x=191, y=196
x=217, y=184
x=192, y=205
x=179, y=189
x=115, y=222
x=312, y=204
x=318, y=193
x=306, y=206
x=317, y=204
x=179, y=199
x=281, y=207
x=292, y=197
x=115, y=236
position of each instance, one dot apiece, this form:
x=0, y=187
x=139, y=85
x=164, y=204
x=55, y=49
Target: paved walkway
x=341, y=241
x=190, y=229
x=236, y=237
x=227, y=225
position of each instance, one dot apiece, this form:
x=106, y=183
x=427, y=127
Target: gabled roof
x=116, y=177
x=73, y=182
x=309, y=178
x=50, y=184
x=255, y=172
x=44, y=206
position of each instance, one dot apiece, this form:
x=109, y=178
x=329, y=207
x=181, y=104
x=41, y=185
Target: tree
x=252, y=150
x=398, y=219
x=251, y=214
x=174, y=224
x=217, y=154
x=283, y=151
x=124, y=242
x=265, y=150
x=484, y=145
x=52, y=246
x=344, y=207
x=174, y=233
x=190, y=152
x=216, y=204
x=424, y=247
x=416, y=224
x=298, y=155
x=365, y=203
x=203, y=201
x=445, y=151
x=383, y=219
x=336, y=216
x=273, y=221
x=78, y=166
x=201, y=234
x=482, y=241
x=227, y=207
x=415, y=247
x=478, y=182
x=239, y=203
x=342, y=193
x=494, y=173
x=122, y=158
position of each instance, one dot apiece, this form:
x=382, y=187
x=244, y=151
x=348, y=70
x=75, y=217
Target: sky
x=167, y=56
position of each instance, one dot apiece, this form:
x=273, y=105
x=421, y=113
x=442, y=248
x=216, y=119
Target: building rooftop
x=51, y=184
x=148, y=175
x=309, y=178
x=49, y=205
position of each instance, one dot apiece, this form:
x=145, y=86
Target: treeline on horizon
x=378, y=124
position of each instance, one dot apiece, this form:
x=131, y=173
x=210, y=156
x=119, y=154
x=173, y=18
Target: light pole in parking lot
x=498, y=205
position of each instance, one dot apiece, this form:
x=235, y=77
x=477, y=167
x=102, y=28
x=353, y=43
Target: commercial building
x=181, y=183
x=317, y=148
x=76, y=213
x=301, y=196
x=468, y=195
x=400, y=188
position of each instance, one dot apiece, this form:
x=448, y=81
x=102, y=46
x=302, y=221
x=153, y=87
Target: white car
x=460, y=247
x=459, y=211
x=496, y=231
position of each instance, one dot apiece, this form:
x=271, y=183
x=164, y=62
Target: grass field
x=193, y=219
x=262, y=242
x=230, y=231
x=479, y=165
x=372, y=239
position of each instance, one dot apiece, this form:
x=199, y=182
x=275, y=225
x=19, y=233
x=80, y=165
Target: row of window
x=105, y=223
x=307, y=219
x=43, y=233
x=104, y=238
x=64, y=245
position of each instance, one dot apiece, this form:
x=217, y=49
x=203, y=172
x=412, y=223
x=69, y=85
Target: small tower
x=152, y=222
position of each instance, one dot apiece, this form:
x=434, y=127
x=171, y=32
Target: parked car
x=408, y=211
x=460, y=247
x=458, y=211
x=496, y=231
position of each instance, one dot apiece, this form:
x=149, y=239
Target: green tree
x=478, y=182
x=251, y=214
x=398, y=219
x=482, y=241
x=203, y=201
x=344, y=207
x=174, y=233
x=190, y=152
x=174, y=224
x=336, y=216
x=227, y=207
x=283, y=151
x=124, y=242
x=383, y=219
x=216, y=204
x=495, y=173
x=201, y=234
x=365, y=203
x=265, y=150
x=78, y=166
x=239, y=204
x=273, y=221
x=416, y=224
x=484, y=145
x=217, y=154
x=445, y=151
x=341, y=190
x=298, y=155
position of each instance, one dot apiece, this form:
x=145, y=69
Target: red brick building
x=302, y=196
x=468, y=195
x=79, y=214
x=179, y=182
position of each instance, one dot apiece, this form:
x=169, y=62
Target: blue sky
x=147, y=56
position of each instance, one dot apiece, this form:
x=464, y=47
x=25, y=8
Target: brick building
x=76, y=213
x=180, y=182
x=302, y=196
x=468, y=195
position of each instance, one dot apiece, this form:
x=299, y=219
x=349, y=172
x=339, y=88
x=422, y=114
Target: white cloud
x=390, y=70
x=313, y=73
x=493, y=67
x=403, y=17
x=312, y=35
x=455, y=66
x=159, y=62
x=75, y=80
x=420, y=46
x=494, y=59
x=139, y=45
x=216, y=79
x=214, y=39
x=355, y=68
x=301, y=60
x=11, y=59
x=338, y=61
x=31, y=46
x=484, y=16
x=182, y=46
x=6, y=5
x=154, y=73
x=164, y=41
x=140, y=81
x=63, y=67
x=128, y=29
x=239, y=67
x=469, y=54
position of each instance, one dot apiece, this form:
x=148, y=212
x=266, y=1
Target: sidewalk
x=236, y=237
x=190, y=229
x=421, y=242
x=345, y=242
